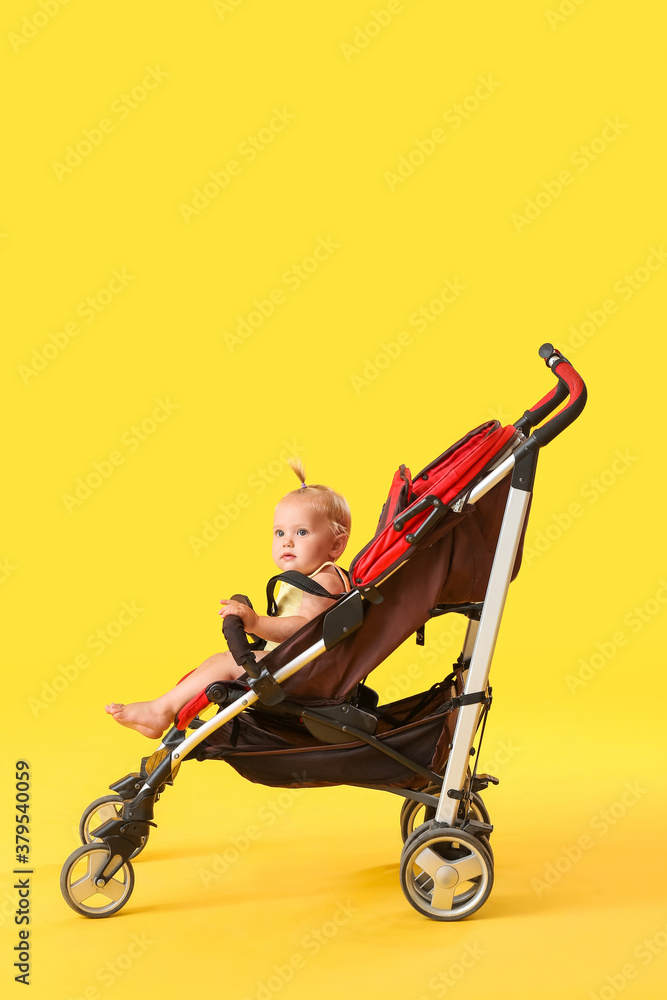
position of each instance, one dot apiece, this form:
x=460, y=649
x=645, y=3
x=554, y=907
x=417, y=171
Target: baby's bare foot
x=144, y=716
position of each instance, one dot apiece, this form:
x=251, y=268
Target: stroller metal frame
x=482, y=637
x=447, y=862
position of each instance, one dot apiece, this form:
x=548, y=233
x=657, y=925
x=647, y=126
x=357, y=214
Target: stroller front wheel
x=446, y=873
x=80, y=877
x=101, y=811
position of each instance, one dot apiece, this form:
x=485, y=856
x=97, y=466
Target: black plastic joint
x=344, y=618
x=128, y=786
x=173, y=737
x=481, y=781
x=525, y=464
x=476, y=826
x=218, y=693
x=267, y=688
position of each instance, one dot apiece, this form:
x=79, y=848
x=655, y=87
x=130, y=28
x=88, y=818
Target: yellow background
x=361, y=97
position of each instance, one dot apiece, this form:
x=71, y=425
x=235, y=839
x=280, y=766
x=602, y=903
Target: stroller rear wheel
x=79, y=882
x=446, y=874
x=413, y=813
x=101, y=811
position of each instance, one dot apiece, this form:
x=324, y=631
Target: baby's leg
x=151, y=718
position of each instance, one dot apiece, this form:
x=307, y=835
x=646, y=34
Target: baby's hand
x=246, y=614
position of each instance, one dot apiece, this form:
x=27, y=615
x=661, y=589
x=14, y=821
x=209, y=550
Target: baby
x=311, y=529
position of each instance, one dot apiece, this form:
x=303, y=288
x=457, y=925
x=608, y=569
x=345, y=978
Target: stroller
x=449, y=540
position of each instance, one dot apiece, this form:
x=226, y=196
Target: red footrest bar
x=192, y=708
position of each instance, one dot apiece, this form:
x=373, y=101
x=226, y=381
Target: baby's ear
x=338, y=545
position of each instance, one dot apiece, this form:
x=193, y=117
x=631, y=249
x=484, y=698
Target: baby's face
x=302, y=537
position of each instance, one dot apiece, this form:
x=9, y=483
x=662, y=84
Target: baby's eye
x=279, y=533
x=302, y=531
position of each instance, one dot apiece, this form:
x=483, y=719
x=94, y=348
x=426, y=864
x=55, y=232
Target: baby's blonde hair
x=334, y=506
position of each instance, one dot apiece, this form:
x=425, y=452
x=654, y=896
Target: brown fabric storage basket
x=282, y=753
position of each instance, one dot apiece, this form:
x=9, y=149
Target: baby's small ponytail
x=296, y=465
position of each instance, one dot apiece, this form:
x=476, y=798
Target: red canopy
x=447, y=477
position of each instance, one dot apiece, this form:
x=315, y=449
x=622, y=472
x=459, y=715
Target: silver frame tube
x=493, y=478
x=469, y=640
x=480, y=664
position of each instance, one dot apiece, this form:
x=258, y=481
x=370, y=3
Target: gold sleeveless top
x=289, y=598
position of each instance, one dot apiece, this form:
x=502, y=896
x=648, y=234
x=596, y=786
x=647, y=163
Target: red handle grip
x=570, y=383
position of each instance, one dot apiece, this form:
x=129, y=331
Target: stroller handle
x=237, y=640
x=570, y=383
